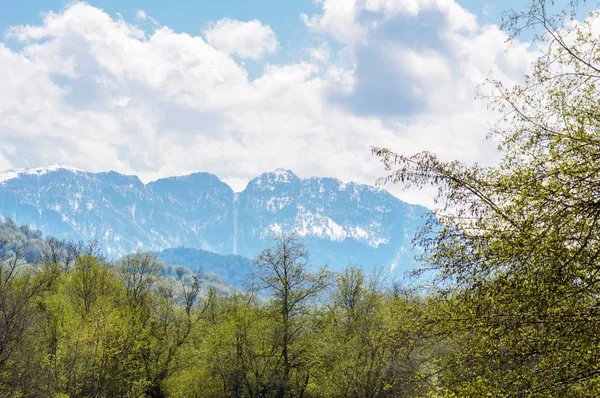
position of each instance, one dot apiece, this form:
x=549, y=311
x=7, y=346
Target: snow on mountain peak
x=317, y=224
x=278, y=176
x=342, y=221
x=10, y=174
x=282, y=175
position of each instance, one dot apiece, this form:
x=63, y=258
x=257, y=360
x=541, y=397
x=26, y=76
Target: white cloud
x=141, y=15
x=99, y=93
x=418, y=63
x=249, y=39
x=320, y=54
x=457, y=16
x=487, y=9
x=339, y=19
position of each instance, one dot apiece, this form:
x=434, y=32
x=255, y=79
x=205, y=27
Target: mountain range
x=341, y=223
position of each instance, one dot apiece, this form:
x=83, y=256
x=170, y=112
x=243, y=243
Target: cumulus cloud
x=407, y=55
x=416, y=65
x=99, y=93
x=338, y=19
x=249, y=39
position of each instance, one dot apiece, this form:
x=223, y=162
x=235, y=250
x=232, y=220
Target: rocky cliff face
x=342, y=223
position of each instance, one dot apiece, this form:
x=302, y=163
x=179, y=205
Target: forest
x=509, y=306
x=77, y=325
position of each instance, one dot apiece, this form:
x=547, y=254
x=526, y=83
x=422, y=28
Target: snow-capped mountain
x=341, y=222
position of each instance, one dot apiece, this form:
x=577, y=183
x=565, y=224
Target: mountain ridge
x=341, y=221
x=13, y=173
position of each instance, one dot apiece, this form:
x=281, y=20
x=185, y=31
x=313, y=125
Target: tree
x=368, y=346
x=238, y=354
x=86, y=336
x=139, y=272
x=176, y=311
x=517, y=246
x=284, y=271
x=21, y=290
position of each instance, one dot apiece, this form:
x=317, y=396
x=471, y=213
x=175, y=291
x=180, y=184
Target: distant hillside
x=223, y=273
x=231, y=268
x=29, y=242
x=209, y=280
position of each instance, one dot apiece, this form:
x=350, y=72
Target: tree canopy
x=516, y=246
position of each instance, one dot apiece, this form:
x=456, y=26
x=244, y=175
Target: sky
x=238, y=88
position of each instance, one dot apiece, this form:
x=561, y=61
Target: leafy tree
x=175, y=314
x=516, y=246
x=284, y=271
x=240, y=354
x=86, y=338
x=21, y=288
x=369, y=346
x=139, y=272
x=74, y=324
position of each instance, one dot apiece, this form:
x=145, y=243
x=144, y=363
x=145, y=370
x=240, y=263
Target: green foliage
x=517, y=246
x=15, y=238
x=369, y=346
x=284, y=271
x=81, y=326
x=22, y=290
x=513, y=311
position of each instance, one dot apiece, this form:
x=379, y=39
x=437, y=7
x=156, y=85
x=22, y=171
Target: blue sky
x=236, y=88
x=190, y=15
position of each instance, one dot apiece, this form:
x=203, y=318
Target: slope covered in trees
x=82, y=326
x=230, y=268
x=14, y=237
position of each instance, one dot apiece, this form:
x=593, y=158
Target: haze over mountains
x=341, y=222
